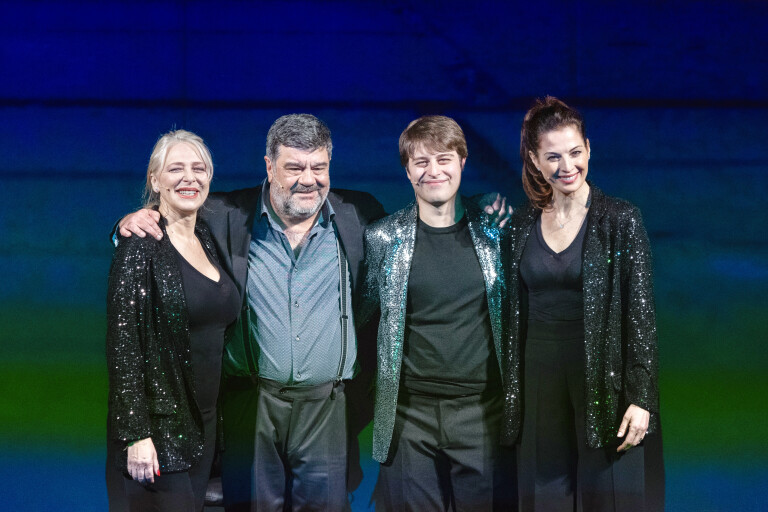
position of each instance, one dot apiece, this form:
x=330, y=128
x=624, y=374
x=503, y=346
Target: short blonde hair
x=160, y=152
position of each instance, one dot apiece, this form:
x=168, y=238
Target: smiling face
x=182, y=181
x=563, y=159
x=435, y=176
x=299, y=181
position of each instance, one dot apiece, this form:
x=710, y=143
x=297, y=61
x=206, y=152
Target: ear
x=463, y=161
x=153, y=181
x=270, y=170
x=586, y=143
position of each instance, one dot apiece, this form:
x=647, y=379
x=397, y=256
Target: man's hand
x=142, y=461
x=141, y=223
x=498, y=211
x=636, y=420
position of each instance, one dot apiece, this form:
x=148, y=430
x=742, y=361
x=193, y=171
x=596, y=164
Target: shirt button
x=296, y=304
x=298, y=374
x=297, y=337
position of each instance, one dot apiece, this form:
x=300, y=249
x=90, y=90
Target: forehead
x=311, y=156
x=421, y=150
x=183, y=152
x=562, y=139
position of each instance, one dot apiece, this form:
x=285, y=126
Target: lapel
x=595, y=260
x=520, y=238
x=400, y=255
x=169, y=282
x=350, y=234
x=239, y=229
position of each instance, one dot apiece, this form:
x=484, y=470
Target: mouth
x=566, y=180
x=188, y=193
x=434, y=183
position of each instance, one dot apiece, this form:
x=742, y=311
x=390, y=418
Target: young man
x=435, y=270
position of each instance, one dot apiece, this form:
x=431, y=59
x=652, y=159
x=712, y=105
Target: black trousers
x=557, y=471
x=286, y=448
x=444, y=455
x=176, y=492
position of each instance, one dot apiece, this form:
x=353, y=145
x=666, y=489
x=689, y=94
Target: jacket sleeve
x=641, y=369
x=127, y=295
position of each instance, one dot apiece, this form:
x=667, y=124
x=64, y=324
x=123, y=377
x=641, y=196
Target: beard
x=285, y=202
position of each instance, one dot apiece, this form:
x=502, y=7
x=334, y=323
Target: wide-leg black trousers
x=557, y=471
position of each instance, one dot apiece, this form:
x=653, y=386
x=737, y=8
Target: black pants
x=444, y=455
x=297, y=448
x=177, y=492
x=557, y=470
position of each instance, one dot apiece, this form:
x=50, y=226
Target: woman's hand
x=142, y=461
x=636, y=422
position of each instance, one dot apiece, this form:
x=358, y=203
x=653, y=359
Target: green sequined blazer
x=151, y=382
x=389, y=247
x=619, y=316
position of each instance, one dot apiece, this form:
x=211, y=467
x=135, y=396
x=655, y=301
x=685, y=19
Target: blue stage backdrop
x=675, y=95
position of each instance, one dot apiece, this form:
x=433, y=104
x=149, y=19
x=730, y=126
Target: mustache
x=303, y=188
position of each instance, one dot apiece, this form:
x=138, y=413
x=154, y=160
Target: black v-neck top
x=553, y=282
x=211, y=306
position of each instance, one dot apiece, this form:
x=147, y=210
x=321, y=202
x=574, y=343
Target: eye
x=199, y=169
x=576, y=153
x=444, y=161
x=174, y=169
x=552, y=158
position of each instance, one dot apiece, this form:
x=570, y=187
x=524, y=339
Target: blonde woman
x=169, y=303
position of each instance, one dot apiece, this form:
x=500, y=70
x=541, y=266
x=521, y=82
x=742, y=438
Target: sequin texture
x=151, y=383
x=619, y=317
x=389, y=245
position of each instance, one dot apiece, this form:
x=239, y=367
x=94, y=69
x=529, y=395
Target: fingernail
x=157, y=472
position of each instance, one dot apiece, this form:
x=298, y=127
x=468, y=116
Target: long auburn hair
x=544, y=116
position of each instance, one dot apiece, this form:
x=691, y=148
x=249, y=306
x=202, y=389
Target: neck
x=179, y=224
x=566, y=203
x=441, y=215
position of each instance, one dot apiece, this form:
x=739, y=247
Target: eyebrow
x=556, y=153
x=182, y=163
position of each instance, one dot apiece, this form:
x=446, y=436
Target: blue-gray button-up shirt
x=295, y=302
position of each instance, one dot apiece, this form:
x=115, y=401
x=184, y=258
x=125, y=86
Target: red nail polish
x=157, y=472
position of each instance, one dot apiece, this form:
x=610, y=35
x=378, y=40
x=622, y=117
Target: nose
x=189, y=174
x=306, y=177
x=566, y=163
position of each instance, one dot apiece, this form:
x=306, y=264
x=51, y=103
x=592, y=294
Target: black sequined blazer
x=619, y=316
x=151, y=382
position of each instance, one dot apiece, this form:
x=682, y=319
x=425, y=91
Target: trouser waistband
x=315, y=392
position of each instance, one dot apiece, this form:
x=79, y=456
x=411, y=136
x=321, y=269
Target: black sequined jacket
x=389, y=245
x=151, y=382
x=619, y=316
